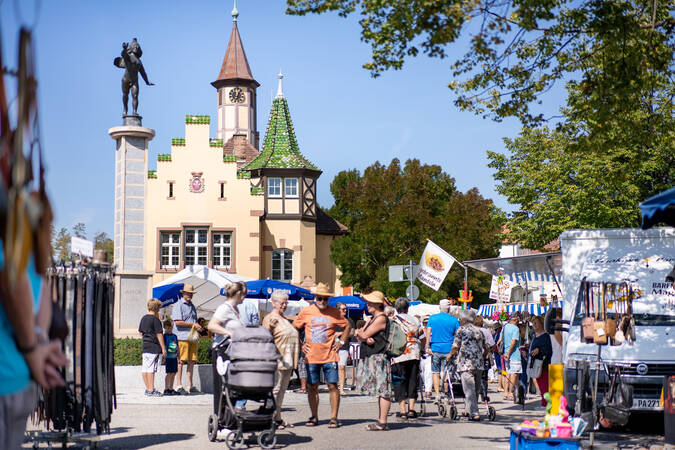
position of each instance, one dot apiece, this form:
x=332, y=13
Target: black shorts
x=404, y=379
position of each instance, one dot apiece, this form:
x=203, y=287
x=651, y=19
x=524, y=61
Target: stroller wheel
x=441, y=410
x=267, y=439
x=234, y=440
x=213, y=427
x=453, y=412
x=492, y=414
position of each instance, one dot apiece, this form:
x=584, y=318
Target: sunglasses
x=321, y=299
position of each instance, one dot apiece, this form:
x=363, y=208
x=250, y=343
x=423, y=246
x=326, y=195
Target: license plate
x=646, y=404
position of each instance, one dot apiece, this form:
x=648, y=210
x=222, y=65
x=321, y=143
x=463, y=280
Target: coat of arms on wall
x=197, y=182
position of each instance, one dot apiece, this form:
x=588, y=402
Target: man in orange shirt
x=321, y=350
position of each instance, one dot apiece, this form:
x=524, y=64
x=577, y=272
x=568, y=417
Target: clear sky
x=343, y=118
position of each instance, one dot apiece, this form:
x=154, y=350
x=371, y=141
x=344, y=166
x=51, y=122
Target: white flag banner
x=82, y=247
x=500, y=289
x=434, y=265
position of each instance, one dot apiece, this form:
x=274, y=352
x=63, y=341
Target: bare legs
x=341, y=378
x=149, y=380
x=168, y=381
x=313, y=398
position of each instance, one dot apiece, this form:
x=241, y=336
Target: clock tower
x=237, y=98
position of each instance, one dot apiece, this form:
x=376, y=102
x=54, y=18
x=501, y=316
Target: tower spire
x=280, y=91
x=235, y=13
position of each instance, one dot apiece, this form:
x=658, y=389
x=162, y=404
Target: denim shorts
x=330, y=373
x=437, y=360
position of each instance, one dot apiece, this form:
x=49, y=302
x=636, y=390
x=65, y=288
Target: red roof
x=235, y=65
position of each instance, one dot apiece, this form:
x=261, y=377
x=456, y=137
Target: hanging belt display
x=83, y=295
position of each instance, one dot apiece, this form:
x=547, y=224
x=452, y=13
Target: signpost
x=409, y=273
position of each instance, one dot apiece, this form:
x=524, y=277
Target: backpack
x=396, y=339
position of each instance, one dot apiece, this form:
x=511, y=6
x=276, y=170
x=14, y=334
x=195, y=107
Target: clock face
x=237, y=95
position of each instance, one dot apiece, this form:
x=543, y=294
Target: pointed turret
x=280, y=147
x=237, y=103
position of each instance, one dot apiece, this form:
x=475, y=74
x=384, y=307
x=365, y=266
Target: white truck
x=643, y=258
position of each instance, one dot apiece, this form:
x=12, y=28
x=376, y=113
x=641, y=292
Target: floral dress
x=374, y=372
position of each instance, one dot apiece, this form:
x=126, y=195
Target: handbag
x=599, y=334
x=587, y=322
x=193, y=336
x=535, y=368
x=616, y=405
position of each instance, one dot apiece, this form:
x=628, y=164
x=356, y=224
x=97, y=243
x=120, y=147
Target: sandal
x=377, y=426
x=412, y=414
x=475, y=419
x=281, y=424
x=334, y=423
x=312, y=422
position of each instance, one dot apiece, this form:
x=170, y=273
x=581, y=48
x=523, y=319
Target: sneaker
x=194, y=390
x=156, y=393
x=167, y=392
x=222, y=433
x=148, y=393
x=181, y=391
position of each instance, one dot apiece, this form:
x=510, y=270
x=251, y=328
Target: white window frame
x=283, y=256
x=274, y=194
x=286, y=194
x=174, y=249
x=196, y=245
x=217, y=250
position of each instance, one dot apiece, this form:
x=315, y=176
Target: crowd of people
x=320, y=340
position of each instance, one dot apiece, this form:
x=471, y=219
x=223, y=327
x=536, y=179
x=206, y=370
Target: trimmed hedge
x=128, y=351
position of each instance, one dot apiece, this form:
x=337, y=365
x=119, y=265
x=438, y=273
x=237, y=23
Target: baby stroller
x=448, y=406
x=247, y=365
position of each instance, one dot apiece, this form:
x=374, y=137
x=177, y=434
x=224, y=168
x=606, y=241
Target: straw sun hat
x=190, y=289
x=322, y=290
x=375, y=297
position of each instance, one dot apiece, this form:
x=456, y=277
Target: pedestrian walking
x=499, y=360
x=512, y=341
x=320, y=323
x=541, y=349
x=405, y=368
x=287, y=342
x=470, y=348
x=343, y=353
x=374, y=375
x=440, y=332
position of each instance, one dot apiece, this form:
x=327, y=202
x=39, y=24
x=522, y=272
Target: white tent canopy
x=207, y=283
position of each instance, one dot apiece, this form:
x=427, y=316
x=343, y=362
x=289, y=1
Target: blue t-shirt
x=14, y=373
x=171, y=345
x=443, y=328
x=512, y=332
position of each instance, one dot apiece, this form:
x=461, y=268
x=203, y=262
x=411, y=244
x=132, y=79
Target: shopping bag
x=193, y=336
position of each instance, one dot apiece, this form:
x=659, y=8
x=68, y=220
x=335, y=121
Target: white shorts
x=343, y=354
x=150, y=362
x=514, y=367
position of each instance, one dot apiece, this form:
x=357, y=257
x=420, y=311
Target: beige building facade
x=226, y=202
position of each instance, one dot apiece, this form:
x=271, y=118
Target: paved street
x=181, y=422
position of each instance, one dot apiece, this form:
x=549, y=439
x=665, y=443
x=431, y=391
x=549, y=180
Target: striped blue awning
x=533, y=308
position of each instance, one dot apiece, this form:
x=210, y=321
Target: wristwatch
x=340, y=341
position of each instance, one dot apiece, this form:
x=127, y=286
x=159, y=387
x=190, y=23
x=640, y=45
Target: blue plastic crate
x=520, y=441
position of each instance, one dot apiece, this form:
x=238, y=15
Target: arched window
x=282, y=265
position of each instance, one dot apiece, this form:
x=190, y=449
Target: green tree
x=103, y=242
x=518, y=49
x=80, y=230
x=392, y=210
x=61, y=245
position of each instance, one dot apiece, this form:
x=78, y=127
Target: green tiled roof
x=178, y=141
x=213, y=142
x=229, y=158
x=280, y=148
x=196, y=119
x=257, y=190
x=152, y=174
x=164, y=157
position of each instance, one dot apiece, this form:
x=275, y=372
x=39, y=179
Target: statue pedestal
x=133, y=279
x=133, y=120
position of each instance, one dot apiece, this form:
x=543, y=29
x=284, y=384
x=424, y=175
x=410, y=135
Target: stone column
x=133, y=280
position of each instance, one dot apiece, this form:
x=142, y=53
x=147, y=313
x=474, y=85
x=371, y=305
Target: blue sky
x=343, y=118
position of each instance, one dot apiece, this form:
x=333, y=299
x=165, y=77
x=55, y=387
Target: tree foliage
x=80, y=230
x=518, y=49
x=61, y=245
x=392, y=210
x=103, y=242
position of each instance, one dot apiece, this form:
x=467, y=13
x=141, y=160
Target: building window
x=291, y=187
x=282, y=265
x=170, y=189
x=274, y=187
x=222, y=250
x=222, y=190
x=170, y=250
x=196, y=246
